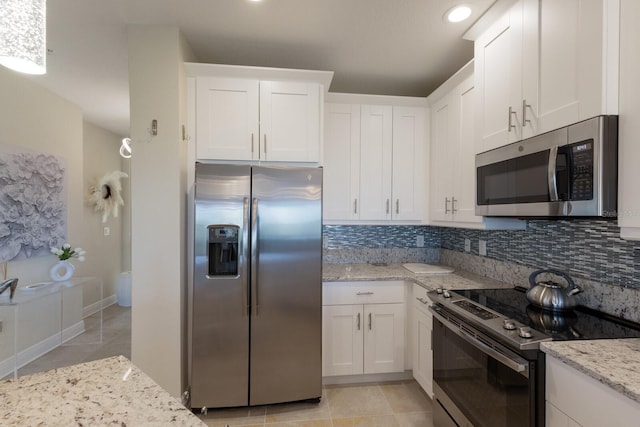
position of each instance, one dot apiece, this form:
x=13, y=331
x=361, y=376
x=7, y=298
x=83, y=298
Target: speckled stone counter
x=615, y=363
x=110, y=391
x=455, y=280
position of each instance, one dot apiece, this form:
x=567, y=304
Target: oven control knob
x=446, y=294
x=439, y=291
x=509, y=324
x=525, y=333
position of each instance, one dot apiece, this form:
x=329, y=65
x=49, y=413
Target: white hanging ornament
x=105, y=194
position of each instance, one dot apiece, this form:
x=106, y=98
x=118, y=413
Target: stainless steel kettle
x=551, y=295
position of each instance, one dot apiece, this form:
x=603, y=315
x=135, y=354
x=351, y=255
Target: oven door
x=478, y=382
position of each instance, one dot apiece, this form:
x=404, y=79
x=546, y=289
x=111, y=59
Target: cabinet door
x=498, y=77
x=422, y=352
x=375, y=162
x=556, y=418
x=226, y=119
x=289, y=121
x=571, y=62
x=409, y=163
x=463, y=157
x=441, y=159
x=342, y=339
x=341, y=161
x=384, y=338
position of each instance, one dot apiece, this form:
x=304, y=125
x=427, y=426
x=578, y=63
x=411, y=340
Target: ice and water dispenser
x=223, y=250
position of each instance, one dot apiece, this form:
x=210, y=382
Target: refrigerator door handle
x=244, y=256
x=254, y=255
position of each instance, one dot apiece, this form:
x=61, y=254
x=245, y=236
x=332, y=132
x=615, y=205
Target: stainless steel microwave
x=572, y=171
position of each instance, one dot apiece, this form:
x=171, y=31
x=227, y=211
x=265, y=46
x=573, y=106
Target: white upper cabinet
x=239, y=119
x=289, y=122
x=629, y=122
x=453, y=177
x=341, y=161
x=376, y=136
x=543, y=65
x=409, y=163
x=227, y=116
x=257, y=114
x=375, y=160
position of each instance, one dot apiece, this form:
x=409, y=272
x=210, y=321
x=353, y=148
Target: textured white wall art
x=33, y=198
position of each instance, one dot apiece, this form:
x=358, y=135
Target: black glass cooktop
x=581, y=323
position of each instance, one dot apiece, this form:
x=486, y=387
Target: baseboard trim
x=367, y=378
x=95, y=307
x=72, y=331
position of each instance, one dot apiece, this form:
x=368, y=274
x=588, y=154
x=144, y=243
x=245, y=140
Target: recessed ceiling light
x=458, y=13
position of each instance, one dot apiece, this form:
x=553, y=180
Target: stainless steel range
x=488, y=369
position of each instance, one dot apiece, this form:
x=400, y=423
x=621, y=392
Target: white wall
x=158, y=194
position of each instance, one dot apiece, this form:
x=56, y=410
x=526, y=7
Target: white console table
x=41, y=317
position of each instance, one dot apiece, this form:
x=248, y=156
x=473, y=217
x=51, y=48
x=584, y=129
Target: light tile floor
x=388, y=404
x=116, y=340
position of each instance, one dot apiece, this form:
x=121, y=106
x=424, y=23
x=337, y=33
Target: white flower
x=81, y=258
x=66, y=246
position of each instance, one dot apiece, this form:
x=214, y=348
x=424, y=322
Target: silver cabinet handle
x=355, y=206
x=422, y=300
x=358, y=321
x=511, y=112
x=254, y=254
x=524, y=112
x=446, y=205
x=453, y=205
x=252, y=143
x=369, y=321
x=387, y=206
x=364, y=293
x=265, y=143
x=397, y=206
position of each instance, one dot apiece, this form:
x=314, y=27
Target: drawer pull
x=422, y=300
x=369, y=321
x=364, y=293
x=358, y=321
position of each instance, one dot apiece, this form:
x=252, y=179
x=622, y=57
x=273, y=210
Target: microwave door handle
x=551, y=174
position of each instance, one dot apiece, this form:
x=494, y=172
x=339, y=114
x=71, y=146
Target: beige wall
x=158, y=176
x=35, y=118
x=104, y=253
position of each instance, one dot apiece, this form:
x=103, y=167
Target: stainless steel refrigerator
x=256, y=297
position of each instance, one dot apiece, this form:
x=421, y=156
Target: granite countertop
x=457, y=280
x=110, y=391
x=615, y=363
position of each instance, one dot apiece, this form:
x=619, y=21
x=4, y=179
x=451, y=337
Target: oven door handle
x=551, y=174
x=518, y=365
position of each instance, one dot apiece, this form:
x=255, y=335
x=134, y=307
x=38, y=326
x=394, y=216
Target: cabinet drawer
x=365, y=292
x=420, y=299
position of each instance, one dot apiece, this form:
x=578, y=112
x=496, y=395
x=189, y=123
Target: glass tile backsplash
x=591, y=249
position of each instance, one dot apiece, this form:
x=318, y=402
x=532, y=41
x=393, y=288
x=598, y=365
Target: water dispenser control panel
x=223, y=250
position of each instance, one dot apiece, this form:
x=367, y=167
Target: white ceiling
x=388, y=47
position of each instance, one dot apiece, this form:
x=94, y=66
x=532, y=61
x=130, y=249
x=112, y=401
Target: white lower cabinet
x=422, y=352
x=363, y=328
x=574, y=399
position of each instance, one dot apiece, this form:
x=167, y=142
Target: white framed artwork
x=33, y=203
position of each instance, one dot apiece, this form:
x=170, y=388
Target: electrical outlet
x=420, y=241
x=106, y=231
x=467, y=245
x=482, y=247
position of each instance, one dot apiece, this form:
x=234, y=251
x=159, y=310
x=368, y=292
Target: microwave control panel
x=582, y=170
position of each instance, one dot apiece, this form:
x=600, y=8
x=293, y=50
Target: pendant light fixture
x=23, y=35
